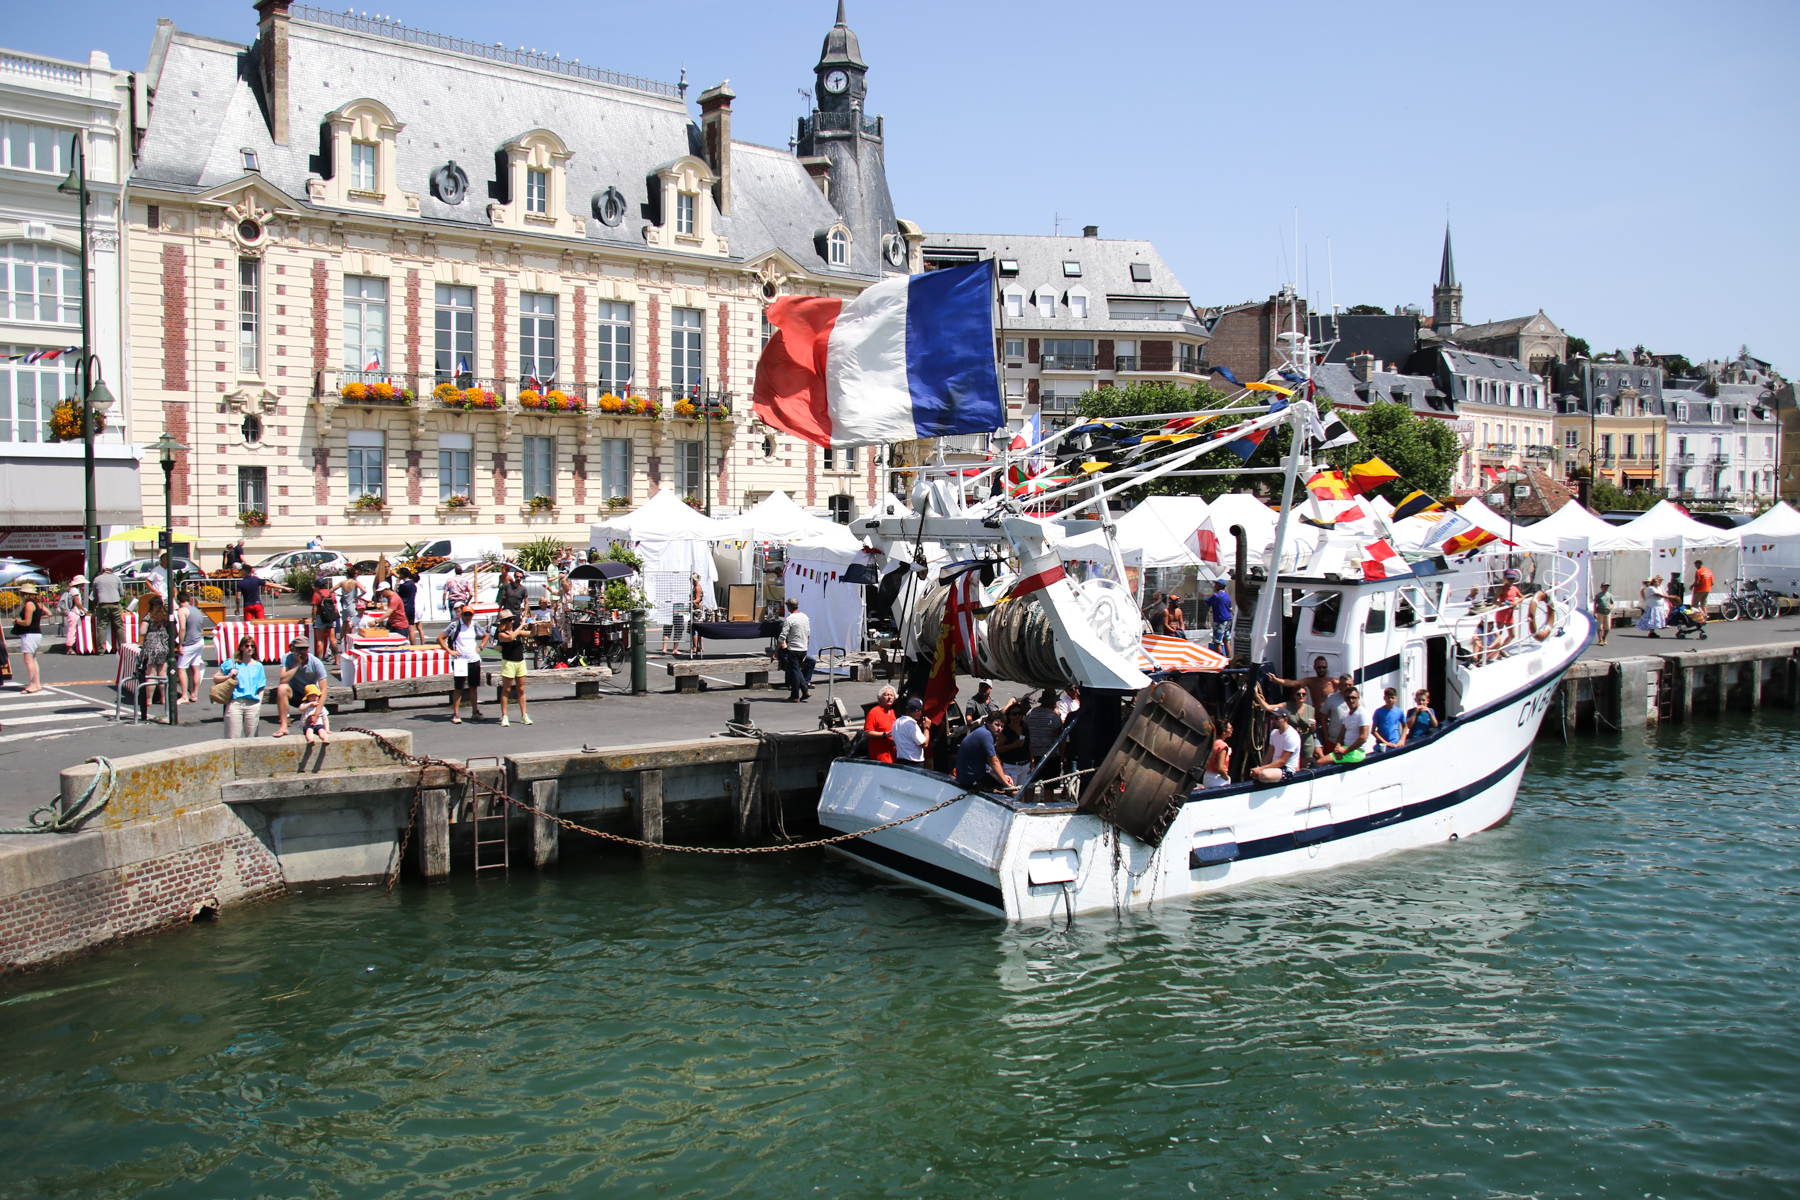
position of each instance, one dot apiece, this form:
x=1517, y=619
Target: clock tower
x=846, y=144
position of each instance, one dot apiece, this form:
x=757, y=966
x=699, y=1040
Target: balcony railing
x=1191, y=366
x=1718, y=460
x=1051, y=403
x=1068, y=362
x=839, y=122
x=1540, y=452
x=391, y=389
x=1125, y=362
x=1683, y=460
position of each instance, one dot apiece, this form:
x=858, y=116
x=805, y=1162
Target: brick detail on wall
x=874, y=472
x=321, y=456
x=175, y=420
x=578, y=478
x=175, y=319
x=1159, y=356
x=578, y=370
x=653, y=472
x=71, y=915
x=1031, y=391
x=415, y=476
x=321, y=315
x=812, y=474
x=500, y=477
x=1031, y=349
x=724, y=493
x=653, y=351
x=722, y=376
x=1105, y=358
x=500, y=329
x=412, y=328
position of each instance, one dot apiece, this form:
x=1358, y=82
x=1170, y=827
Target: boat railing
x=1488, y=629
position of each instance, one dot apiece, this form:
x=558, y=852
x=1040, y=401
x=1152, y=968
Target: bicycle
x=1747, y=600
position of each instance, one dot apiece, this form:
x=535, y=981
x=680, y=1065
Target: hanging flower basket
x=65, y=422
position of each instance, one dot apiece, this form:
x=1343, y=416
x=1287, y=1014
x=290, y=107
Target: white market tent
x=675, y=543
x=1666, y=541
x=1771, y=549
x=1591, y=543
x=817, y=550
x=775, y=518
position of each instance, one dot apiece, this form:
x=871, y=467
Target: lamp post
x=76, y=185
x=166, y=450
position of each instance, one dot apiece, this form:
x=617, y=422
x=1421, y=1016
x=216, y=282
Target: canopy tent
x=1664, y=542
x=1570, y=521
x=814, y=575
x=1771, y=549
x=1412, y=532
x=675, y=543
x=775, y=518
x=1150, y=535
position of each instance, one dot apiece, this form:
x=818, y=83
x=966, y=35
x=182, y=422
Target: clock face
x=836, y=82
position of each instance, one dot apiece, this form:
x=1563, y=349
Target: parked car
x=139, y=568
x=460, y=549
x=14, y=571
x=322, y=562
x=429, y=603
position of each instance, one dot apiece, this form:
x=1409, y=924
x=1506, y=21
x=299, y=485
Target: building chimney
x=715, y=134
x=1092, y=231
x=1362, y=366
x=819, y=167
x=272, y=53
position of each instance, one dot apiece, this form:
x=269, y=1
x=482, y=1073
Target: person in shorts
x=325, y=620
x=1603, y=611
x=300, y=669
x=1355, y=744
x=465, y=640
x=191, y=623
x=315, y=722
x=1282, y=757
x=250, y=588
x=512, y=666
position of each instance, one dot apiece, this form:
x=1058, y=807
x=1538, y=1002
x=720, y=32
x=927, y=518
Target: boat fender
x=1542, y=632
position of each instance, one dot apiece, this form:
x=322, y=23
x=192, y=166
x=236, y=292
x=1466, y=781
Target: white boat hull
x=1027, y=862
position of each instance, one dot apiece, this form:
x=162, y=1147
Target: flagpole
x=1265, y=602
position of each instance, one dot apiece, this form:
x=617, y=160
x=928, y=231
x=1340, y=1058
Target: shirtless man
x=1316, y=685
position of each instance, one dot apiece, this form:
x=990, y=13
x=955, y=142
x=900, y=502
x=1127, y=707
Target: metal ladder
x=489, y=824
x=1665, y=694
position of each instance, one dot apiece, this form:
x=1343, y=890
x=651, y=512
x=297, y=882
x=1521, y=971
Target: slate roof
x=1105, y=272
x=1420, y=393
x=1476, y=333
x=462, y=108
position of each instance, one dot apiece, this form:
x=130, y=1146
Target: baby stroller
x=1683, y=621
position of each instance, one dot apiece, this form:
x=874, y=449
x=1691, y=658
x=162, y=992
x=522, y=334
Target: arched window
x=40, y=283
x=840, y=248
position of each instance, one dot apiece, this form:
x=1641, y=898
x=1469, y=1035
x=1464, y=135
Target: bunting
x=1366, y=477
x=1414, y=505
x=1329, y=485
x=1204, y=542
x=37, y=356
x=1381, y=561
x=1474, y=539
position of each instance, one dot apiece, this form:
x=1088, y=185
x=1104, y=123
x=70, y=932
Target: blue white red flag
x=908, y=358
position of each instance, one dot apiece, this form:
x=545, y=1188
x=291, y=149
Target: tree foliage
x=1579, y=346
x=1607, y=498
x=1422, y=449
x=1365, y=310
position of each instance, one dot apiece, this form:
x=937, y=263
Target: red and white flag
x=1204, y=542
x=1382, y=561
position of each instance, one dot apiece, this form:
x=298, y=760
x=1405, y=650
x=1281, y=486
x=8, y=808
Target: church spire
x=1446, y=297
x=840, y=19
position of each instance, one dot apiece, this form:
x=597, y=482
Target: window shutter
x=1031, y=389
x=1106, y=354
x=1031, y=349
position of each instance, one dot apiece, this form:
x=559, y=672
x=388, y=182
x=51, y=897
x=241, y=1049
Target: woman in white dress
x=1656, y=608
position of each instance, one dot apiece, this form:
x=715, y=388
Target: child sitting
x=313, y=718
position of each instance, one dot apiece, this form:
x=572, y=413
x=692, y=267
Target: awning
x=42, y=484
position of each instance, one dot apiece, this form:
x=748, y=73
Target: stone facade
x=1245, y=336
x=298, y=281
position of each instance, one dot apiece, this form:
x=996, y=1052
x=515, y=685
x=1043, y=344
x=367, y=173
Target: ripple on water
x=1599, y=993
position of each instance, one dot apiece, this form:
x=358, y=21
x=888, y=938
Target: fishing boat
x=1130, y=823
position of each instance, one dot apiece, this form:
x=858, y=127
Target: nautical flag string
x=1329, y=485
x=1366, y=477
x=37, y=356
x=1415, y=504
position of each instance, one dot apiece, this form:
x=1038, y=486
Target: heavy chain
x=423, y=763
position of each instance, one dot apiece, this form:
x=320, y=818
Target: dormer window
x=1015, y=303
x=249, y=160
x=536, y=186
x=685, y=204
x=840, y=248
x=537, y=192
x=1046, y=304
x=362, y=167
x=1078, y=303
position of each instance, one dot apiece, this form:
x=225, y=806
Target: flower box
x=375, y=393
x=628, y=406
x=553, y=401
x=253, y=518
x=470, y=399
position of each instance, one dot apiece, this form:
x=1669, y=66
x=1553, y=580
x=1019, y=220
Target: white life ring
x=1541, y=632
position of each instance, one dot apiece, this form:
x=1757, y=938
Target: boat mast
x=1300, y=366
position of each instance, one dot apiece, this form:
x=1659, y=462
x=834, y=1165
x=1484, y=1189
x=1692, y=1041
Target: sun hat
x=78, y=579
x=312, y=689
x=28, y=589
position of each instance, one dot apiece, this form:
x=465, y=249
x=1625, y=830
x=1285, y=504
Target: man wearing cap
x=911, y=733
x=109, y=595
x=300, y=669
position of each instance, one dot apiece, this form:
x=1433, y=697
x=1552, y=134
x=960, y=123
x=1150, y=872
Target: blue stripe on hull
x=924, y=872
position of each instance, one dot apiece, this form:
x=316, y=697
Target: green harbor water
x=1596, y=1000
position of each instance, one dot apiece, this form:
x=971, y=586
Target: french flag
x=908, y=358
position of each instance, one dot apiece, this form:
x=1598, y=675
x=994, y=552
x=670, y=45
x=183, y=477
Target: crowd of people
x=997, y=747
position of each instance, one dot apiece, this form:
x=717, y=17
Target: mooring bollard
x=640, y=662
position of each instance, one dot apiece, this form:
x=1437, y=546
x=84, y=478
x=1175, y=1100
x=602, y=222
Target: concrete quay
x=199, y=827
x=1688, y=679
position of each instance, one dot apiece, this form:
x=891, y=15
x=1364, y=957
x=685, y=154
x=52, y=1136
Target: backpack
x=328, y=609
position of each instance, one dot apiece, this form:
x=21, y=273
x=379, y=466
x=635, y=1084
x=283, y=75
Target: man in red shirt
x=1703, y=585
x=879, y=725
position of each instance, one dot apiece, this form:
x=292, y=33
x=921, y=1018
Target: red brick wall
x=578, y=476
x=175, y=420
x=414, y=476
x=321, y=315
x=39, y=925
x=578, y=371
x=175, y=319
x=321, y=476
x=412, y=333
x=722, y=377
x=653, y=350
x=1157, y=356
x=874, y=473
x=500, y=478
x=500, y=329
x=812, y=474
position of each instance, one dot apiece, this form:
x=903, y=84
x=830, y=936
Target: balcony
x=1125, y=362
x=1192, y=366
x=1718, y=460
x=1540, y=452
x=1683, y=460
x=1067, y=362
x=1052, y=403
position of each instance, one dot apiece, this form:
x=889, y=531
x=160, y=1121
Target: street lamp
x=76, y=185
x=166, y=450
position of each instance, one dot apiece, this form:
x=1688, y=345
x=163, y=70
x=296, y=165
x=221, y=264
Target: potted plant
x=371, y=502
x=541, y=504
x=65, y=422
x=253, y=518
x=456, y=502
x=563, y=402
x=685, y=409
x=532, y=398
x=615, y=503
x=356, y=393
x=694, y=502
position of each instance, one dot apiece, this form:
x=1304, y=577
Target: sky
x=1629, y=168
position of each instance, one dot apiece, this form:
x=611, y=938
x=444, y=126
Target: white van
x=463, y=549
